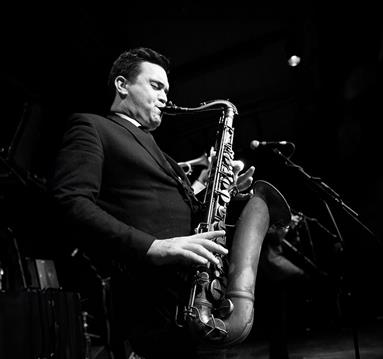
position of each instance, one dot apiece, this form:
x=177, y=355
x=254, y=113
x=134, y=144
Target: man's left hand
x=242, y=182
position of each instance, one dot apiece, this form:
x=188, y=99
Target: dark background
x=56, y=60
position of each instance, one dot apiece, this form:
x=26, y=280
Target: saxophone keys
x=225, y=309
x=217, y=226
x=226, y=182
x=221, y=241
x=221, y=211
x=229, y=148
x=227, y=172
x=215, y=290
x=215, y=329
x=224, y=196
x=227, y=159
x=202, y=278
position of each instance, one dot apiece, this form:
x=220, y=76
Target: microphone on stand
x=273, y=145
x=255, y=144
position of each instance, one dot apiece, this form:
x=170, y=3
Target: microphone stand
x=326, y=193
x=321, y=187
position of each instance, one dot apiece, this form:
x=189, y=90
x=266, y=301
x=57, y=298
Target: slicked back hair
x=128, y=64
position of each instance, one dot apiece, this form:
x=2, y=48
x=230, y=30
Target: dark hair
x=128, y=63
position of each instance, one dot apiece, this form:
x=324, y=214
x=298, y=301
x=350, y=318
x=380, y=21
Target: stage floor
x=335, y=343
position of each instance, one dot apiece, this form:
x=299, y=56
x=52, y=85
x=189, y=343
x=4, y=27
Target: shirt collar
x=131, y=120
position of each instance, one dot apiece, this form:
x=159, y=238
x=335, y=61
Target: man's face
x=147, y=94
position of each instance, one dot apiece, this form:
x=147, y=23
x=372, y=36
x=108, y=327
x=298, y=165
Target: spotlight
x=294, y=60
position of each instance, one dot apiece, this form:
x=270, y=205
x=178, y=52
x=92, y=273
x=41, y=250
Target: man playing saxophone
x=125, y=202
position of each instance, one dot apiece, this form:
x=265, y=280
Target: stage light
x=294, y=60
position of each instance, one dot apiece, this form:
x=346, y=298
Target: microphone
x=255, y=144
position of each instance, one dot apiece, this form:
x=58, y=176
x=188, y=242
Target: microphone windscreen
x=254, y=144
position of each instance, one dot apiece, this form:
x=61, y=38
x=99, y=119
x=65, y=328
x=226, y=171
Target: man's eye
x=155, y=86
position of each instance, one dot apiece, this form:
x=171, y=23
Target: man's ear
x=120, y=83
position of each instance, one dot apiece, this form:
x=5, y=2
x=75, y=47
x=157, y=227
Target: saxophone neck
x=172, y=109
x=221, y=103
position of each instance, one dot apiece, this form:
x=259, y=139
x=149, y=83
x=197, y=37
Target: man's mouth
x=158, y=115
x=159, y=109
x=158, y=112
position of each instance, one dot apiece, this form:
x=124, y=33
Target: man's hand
x=195, y=249
x=243, y=181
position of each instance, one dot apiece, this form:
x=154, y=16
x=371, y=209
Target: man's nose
x=163, y=98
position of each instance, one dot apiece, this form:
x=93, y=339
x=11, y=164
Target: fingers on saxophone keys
x=248, y=174
x=216, y=248
x=206, y=240
x=245, y=184
x=193, y=257
x=205, y=255
x=237, y=165
x=213, y=234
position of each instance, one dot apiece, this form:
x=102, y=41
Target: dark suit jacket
x=118, y=193
x=113, y=183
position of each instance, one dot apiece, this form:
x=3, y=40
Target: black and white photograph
x=194, y=180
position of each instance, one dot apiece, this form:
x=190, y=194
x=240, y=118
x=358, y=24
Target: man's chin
x=156, y=121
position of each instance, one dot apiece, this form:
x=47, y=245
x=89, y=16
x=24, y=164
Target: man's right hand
x=195, y=249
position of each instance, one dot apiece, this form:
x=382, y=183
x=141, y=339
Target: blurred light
x=294, y=60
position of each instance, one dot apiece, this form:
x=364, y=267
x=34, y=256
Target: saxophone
x=218, y=308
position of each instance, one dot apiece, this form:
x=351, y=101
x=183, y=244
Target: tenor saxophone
x=218, y=308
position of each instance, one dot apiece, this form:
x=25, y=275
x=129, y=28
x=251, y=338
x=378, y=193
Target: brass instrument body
x=208, y=282
x=266, y=206
x=219, y=308
x=228, y=320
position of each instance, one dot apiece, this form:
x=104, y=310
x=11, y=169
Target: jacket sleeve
x=75, y=187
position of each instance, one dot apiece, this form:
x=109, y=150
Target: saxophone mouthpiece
x=172, y=109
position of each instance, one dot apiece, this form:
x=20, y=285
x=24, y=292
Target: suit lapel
x=170, y=166
x=147, y=141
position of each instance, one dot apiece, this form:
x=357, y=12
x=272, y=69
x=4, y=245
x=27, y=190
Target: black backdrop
x=58, y=59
